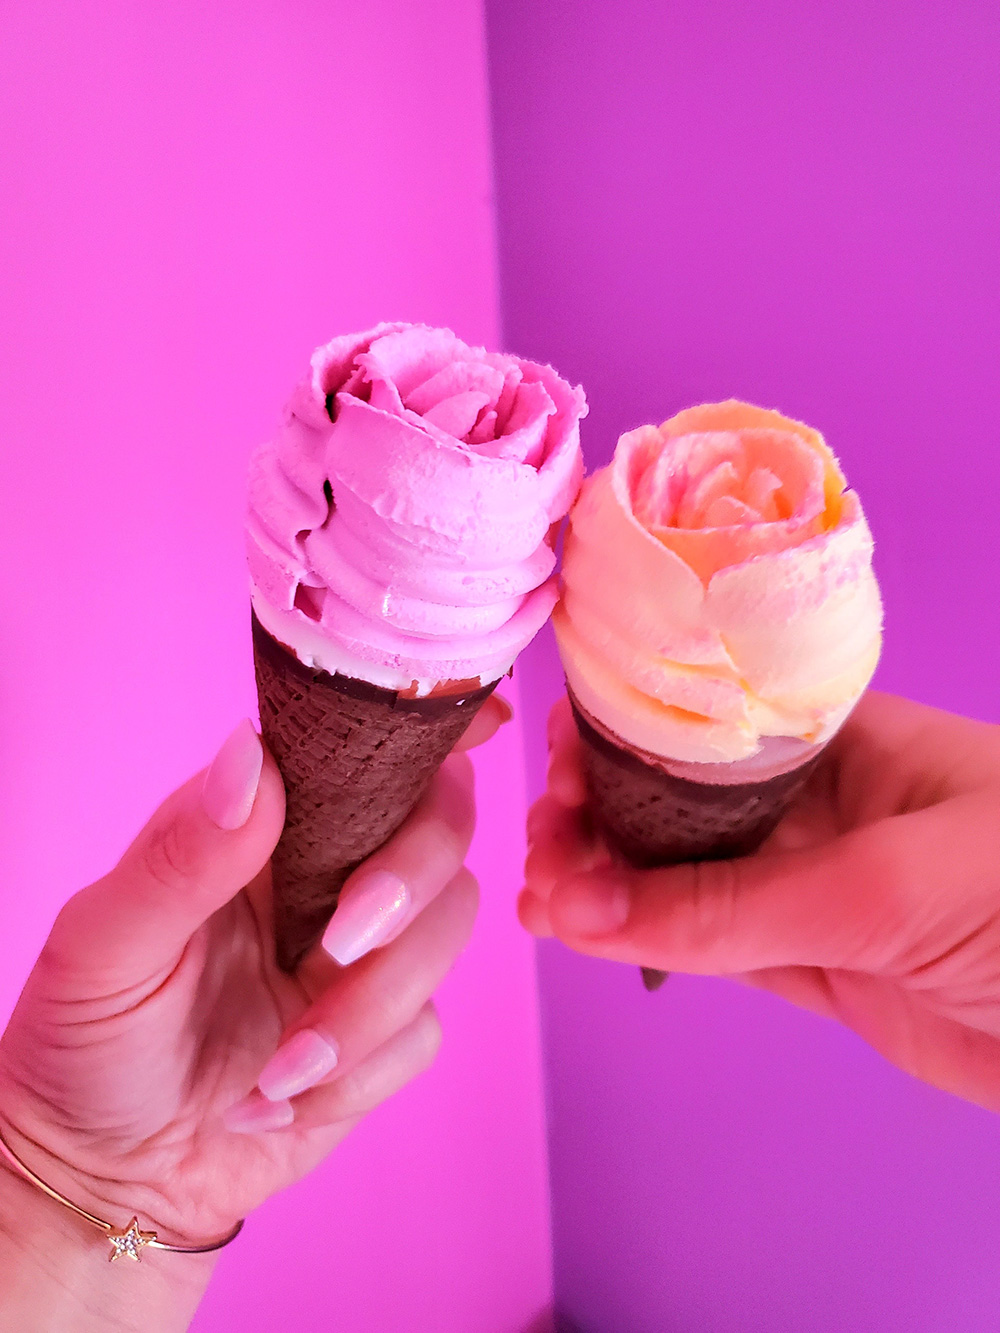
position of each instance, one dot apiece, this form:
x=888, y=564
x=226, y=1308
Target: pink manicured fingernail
x=299, y=1064
x=590, y=906
x=231, y=781
x=507, y=707
x=255, y=1115
x=368, y=914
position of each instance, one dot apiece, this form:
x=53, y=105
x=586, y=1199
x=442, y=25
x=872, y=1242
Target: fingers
x=561, y=837
x=398, y=1061
x=533, y=914
x=561, y=842
x=566, y=778
x=881, y=899
x=345, y=1100
x=487, y=722
x=370, y=1003
x=204, y=844
x=392, y=887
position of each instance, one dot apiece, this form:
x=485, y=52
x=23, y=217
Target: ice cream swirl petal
x=718, y=587
x=402, y=516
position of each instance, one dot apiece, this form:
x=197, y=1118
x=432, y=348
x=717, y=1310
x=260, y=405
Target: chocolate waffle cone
x=655, y=818
x=355, y=759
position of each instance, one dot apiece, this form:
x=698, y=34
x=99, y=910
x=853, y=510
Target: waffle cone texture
x=654, y=818
x=355, y=760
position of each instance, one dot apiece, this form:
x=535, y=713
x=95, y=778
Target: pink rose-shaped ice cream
x=719, y=590
x=399, y=528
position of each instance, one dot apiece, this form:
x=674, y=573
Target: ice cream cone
x=719, y=620
x=655, y=816
x=698, y=812
x=355, y=759
x=401, y=555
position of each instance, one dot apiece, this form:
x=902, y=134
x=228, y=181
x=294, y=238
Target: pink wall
x=795, y=203
x=193, y=196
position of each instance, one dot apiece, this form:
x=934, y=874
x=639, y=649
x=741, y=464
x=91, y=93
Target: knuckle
x=347, y=1097
x=432, y=853
x=365, y=1087
x=448, y=810
x=390, y=1010
x=167, y=857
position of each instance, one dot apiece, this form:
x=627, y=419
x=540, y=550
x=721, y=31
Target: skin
x=876, y=902
x=151, y=1011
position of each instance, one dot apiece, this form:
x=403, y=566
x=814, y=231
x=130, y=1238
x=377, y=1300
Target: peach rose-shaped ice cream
x=400, y=523
x=718, y=588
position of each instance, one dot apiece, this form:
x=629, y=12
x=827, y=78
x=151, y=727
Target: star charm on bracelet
x=131, y=1241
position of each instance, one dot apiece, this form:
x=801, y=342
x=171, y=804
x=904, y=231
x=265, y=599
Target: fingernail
x=299, y=1064
x=506, y=707
x=590, y=905
x=255, y=1115
x=374, y=907
x=231, y=782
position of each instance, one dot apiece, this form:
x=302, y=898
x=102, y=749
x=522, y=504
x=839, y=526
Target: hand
x=156, y=1004
x=876, y=901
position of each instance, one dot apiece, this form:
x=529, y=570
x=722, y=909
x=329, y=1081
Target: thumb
x=201, y=847
x=850, y=903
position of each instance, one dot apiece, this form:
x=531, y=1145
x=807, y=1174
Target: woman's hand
x=128, y=1072
x=876, y=901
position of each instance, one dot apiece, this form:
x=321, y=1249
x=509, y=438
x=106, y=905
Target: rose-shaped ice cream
x=399, y=523
x=718, y=588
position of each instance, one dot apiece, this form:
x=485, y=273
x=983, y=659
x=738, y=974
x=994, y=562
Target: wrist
x=54, y=1272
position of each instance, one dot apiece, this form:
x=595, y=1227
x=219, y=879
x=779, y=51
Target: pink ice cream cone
x=400, y=554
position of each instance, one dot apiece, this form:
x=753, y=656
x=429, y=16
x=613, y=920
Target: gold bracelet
x=129, y=1242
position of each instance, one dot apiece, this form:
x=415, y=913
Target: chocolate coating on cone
x=355, y=759
x=655, y=819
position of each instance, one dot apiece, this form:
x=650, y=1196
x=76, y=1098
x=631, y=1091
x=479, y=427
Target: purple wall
x=193, y=196
x=796, y=204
